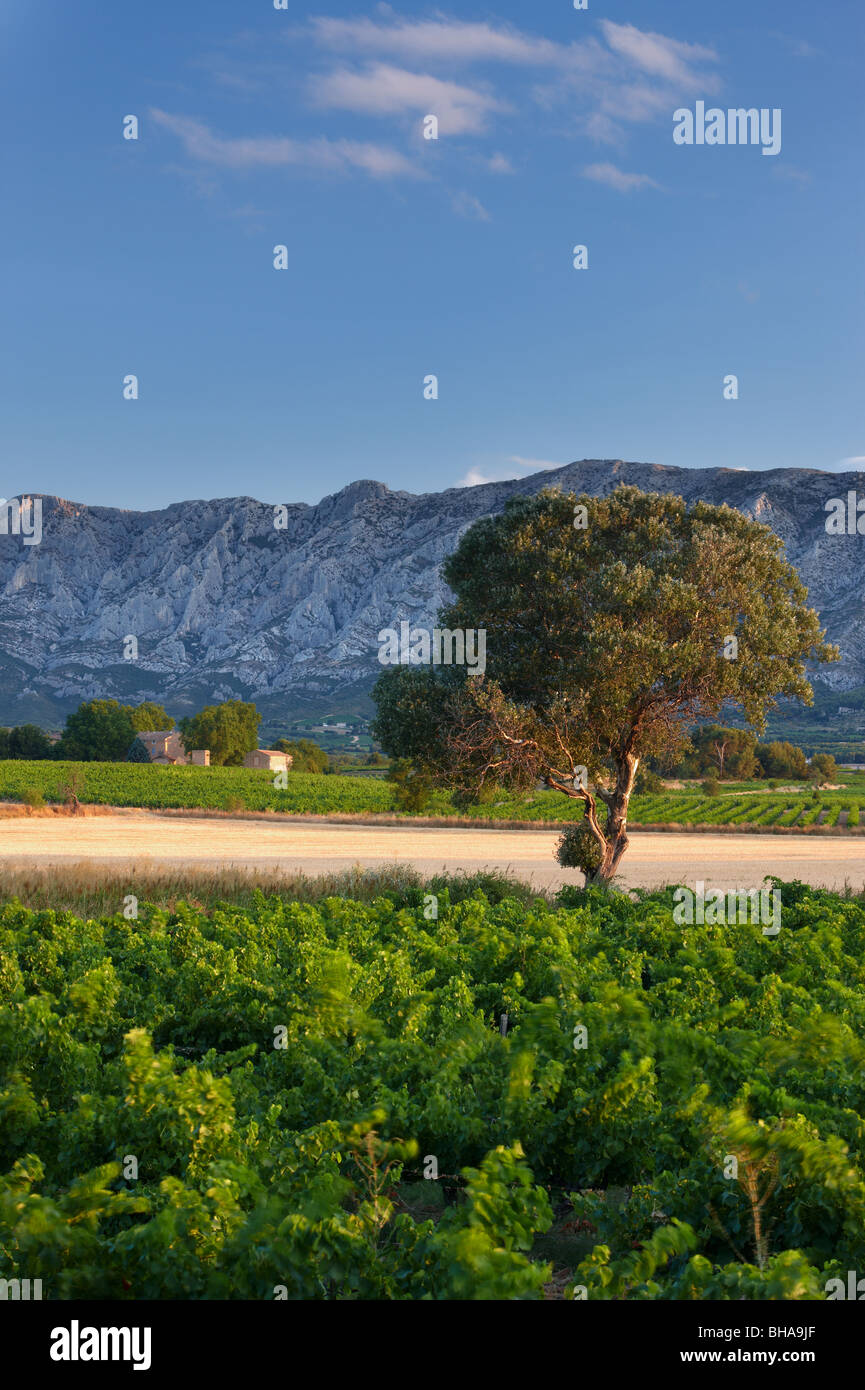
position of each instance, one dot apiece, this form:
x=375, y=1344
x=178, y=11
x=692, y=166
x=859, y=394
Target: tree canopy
x=823, y=769
x=25, y=741
x=98, y=731
x=229, y=730
x=104, y=730
x=726, y=752
x=781, y=759
x=613, y=625
x=148, y=717
x=306, y=756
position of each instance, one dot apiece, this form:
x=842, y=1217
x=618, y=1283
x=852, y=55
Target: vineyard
x=238, y=789
x=324, y=1101
x=208, y=788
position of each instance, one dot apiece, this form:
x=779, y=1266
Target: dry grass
x=16, y=809
x=12, y=810
x=98, y=890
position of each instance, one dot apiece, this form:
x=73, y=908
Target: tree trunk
x=614, y=838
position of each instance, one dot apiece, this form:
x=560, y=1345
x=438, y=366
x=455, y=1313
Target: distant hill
x=224, y=605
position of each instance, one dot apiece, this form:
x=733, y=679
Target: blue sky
x=410, y=257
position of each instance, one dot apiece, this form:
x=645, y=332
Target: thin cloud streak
x=450, y=40
x=660, y=56
x=269, y=151
x=615, y=178
x=466, y=205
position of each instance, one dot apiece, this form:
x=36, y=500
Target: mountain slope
x=223, y=604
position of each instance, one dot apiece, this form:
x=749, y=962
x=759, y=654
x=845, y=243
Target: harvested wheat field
x=144, y=839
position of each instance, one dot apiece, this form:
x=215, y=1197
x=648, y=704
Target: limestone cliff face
x=223, y=604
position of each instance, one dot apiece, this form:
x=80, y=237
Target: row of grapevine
x=237, y=788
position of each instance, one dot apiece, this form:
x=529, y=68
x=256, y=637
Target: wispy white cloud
x=791, y=174
x=448, y=39
x=799, y=48
x=634, y=102
x=238, y=81
x=601, y=127
x=854, y=461
x=382, y=90
x=392, y=66
x=273, y=151
x=676, y=62
x=475, y=478
x=468, y=206
x=626, y=75
x=514, y=468
x=617, y=178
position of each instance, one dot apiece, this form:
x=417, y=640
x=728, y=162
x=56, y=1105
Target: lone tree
x=609, y=624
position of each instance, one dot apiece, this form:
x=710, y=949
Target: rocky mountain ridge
x=225, y=604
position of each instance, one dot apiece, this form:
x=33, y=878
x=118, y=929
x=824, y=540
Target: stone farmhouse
x=269, y=758
x=164, y=746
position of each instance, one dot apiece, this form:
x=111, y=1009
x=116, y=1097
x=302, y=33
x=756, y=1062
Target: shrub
x=411, y=790
x=711, y=786
x=647, y=782
x=577, y=848
x=497, y=886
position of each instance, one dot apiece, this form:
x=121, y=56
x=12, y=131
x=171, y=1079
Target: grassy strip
x=92, y=891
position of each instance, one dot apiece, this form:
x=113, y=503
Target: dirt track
x=142, y=838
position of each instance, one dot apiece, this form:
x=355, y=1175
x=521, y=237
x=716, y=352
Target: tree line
x=736, y=755
x=107, y=731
